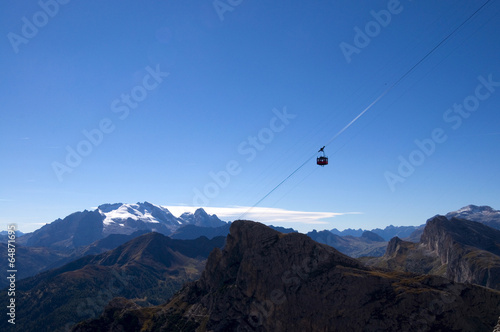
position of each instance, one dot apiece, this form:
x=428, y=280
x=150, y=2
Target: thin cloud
x=265, y=215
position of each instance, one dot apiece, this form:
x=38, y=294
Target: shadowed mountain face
x=461, y=250
x=148, y=269
x=264, y=280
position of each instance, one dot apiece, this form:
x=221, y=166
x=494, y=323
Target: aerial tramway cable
x=367, y=108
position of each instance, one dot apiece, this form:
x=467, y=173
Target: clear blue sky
x=170, y=91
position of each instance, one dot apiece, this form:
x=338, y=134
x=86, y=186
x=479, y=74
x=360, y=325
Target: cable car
x=322, y=160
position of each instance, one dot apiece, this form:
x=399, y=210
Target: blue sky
x=213, y=103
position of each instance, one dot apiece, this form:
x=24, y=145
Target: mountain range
x=85, y=232
x=90, y=258
x=264, y=280
x=83, y=228
x=93, y=232
x=148, y=269
x=387, y=233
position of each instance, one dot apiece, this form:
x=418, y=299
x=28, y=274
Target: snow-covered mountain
x=82, y=228
x=483, y=214
x=122, y=218
x=202, y=219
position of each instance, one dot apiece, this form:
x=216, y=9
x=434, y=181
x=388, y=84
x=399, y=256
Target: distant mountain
x=192, y=232
x=387, y=233
x=349, y=231
x=482, y=214
x=264, y=280
x=4, y=236
x=202, y=219
x=127, y=218
x=458, y=249
x=368, y=244
x=391, y=231
x=82, y=228
x=189, y=232
x=148, y=269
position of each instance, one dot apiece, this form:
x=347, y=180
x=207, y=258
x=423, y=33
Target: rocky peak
x=201, y=218
x=393, y=247
x=248, y=241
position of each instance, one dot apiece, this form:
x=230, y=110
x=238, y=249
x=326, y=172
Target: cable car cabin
x=322, y=161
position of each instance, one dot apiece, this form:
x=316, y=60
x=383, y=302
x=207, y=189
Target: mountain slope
x=148, y=269
x=77, y=229
x=29, y=261
x=264, y=280
x=33, y=260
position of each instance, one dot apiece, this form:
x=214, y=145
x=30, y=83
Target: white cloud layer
x=265, y=215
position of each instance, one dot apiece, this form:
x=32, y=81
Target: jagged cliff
x=263, y=280
x=470, y=250
x=461, y=250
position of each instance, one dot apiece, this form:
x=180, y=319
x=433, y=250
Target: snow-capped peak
x=476, y=213
x=127, y=218
x=201, y=218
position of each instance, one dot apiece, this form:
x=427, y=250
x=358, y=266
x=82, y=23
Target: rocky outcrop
x=408, y=256
x=263, y=280
x=469, y=250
